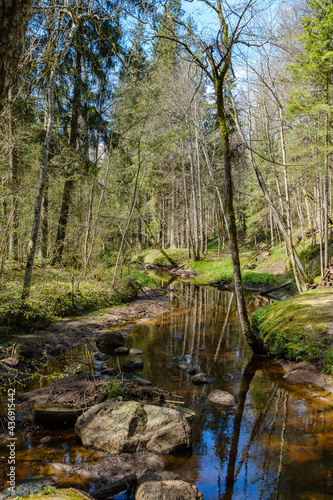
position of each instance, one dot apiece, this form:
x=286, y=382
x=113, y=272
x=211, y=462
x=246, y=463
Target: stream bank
x=244, y=443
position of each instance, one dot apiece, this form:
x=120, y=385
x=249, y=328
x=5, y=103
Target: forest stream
x=277, y=443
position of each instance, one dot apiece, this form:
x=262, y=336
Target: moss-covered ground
x=62, y=292
x=300, y=328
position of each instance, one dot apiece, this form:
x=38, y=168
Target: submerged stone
x=201, y=378
x=133, y=365
x=121, y=350
x=222, y=398
x=166, y=485
x=110, y=340
x=134, y=352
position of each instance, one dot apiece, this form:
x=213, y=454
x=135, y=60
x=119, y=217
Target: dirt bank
x=71, y=332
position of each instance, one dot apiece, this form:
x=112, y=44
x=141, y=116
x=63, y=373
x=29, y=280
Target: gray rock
x=133, y=365
x=134, y=352
x=100, y=356
x=166, y=486
x=121, y=350
x=222, y=398
x=109, y=371
x=182, y=365
x=110, y=340
x=191, y=370
x=141, y=381
x=200, y=378
x=130, y=427
x=119, y=472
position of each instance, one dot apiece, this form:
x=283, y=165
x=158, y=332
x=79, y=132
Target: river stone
x=27, y=487
x=222, y=398
x=200, y=378
x=166, y=486
x=110, y=340
x=116, y=427
x=182, y=365
x=133, y=365
x=140, y=381
x=191, y=370
x=135, y=352
x=100, y=356
x=60, y=494
x=110, y=371
x=121, y=350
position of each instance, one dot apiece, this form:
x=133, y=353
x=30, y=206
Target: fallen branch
x=265, y=292
x=250, y=261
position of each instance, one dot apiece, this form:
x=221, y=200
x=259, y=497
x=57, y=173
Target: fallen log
x=117, y=486
x=266, y=292
x=46, y=415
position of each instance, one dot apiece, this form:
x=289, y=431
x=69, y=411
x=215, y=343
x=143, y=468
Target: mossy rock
x=52, y=493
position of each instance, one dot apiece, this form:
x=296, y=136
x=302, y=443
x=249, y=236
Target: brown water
x=276, y=444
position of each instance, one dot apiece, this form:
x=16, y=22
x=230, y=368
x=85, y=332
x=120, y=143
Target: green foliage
x=114, y=390
x=52, y=294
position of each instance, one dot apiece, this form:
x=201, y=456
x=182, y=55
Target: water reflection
x=276, y=444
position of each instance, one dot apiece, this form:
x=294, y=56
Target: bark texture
x=14, y=17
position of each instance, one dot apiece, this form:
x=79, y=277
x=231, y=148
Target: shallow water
x=276, y=444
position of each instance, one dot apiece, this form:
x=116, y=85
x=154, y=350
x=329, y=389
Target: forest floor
x=67, y=333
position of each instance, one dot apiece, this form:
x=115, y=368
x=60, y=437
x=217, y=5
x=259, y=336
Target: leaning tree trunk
x=35, y=227
x=43, y=172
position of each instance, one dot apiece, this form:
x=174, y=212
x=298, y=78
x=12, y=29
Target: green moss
x=52, y=492
x=297, y=328
x=54, y=294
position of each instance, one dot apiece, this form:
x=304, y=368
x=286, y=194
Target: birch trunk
x=43, y=172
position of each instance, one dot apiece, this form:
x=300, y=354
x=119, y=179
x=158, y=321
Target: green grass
x=53, y=295
x=212, y=270
x=156, y=258
x=297, y=328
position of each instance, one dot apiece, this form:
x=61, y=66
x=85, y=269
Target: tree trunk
x=14, y=184
x=69, y=182
x=301, y=276
x=14, y=19
x=43, y=173
x=35, y=227
x=196, y=249
x=43, y=245
x=250, y=335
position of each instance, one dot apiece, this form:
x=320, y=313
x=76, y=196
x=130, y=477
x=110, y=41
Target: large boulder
x=166, y=486
x=116, y=427
x=222, y=398
x=110, y=340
